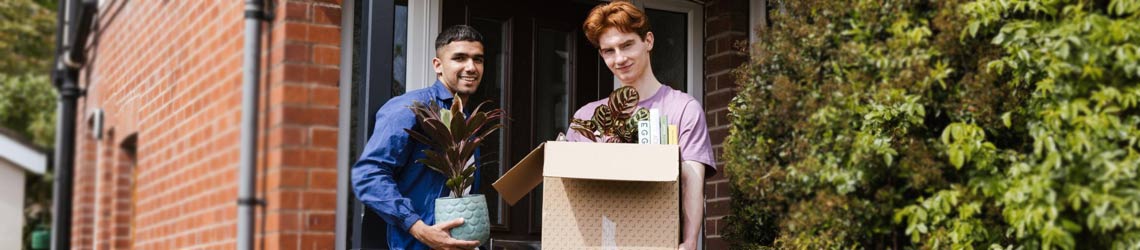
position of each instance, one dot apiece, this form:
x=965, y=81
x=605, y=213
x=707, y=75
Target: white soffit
x=22, y=154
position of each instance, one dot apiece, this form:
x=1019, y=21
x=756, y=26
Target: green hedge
x=992, y=124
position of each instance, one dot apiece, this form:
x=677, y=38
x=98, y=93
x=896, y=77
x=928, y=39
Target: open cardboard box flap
x=594, y=161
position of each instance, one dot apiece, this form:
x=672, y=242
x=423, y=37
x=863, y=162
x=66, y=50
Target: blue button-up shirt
x=387, y=177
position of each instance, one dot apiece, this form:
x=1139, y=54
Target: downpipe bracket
x=266, y=14
x=251, y=202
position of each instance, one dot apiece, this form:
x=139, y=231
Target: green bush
x=991, y=124
x=27, y=106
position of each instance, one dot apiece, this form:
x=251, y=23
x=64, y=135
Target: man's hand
x=439, y=236
x=687, y=246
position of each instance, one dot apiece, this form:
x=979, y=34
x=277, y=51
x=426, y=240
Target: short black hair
x=457, y=33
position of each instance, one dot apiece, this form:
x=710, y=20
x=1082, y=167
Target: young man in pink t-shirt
x=620, y=31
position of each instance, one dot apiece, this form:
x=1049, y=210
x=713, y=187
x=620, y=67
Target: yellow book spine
x=672, y=134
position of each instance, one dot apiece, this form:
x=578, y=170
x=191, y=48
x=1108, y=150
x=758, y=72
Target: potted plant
x=453, y=138
x=615, y=121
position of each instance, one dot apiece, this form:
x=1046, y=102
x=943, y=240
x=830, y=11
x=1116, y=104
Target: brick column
x=122, y=202
x=104, y=189
x=726, y=25
x=303, y=97
x=83, y=193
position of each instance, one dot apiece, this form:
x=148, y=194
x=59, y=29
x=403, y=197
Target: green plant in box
x=615, y=121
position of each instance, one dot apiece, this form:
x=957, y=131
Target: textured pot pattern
x=473, y=210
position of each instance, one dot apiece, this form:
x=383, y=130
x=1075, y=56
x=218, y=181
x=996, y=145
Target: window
x=678, y=50
x=670, y=47
x=492, y=89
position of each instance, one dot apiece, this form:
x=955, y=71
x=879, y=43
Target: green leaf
x=1006, y=119
x=973, y=28
x=445, y=118
x=999, y=38
x=957, y=157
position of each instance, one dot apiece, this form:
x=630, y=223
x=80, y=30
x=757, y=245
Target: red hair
x=617, y=14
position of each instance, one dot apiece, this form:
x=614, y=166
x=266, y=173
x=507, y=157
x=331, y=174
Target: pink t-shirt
x=681, y=110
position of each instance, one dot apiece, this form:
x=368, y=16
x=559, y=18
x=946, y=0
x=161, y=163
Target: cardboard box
x=601, y=195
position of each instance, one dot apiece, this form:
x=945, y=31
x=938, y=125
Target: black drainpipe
x=74, y=27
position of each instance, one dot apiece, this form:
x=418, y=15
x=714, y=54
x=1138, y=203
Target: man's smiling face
x=459, y=65
x=625, y=53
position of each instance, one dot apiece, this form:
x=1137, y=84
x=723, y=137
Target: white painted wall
x=11, y=205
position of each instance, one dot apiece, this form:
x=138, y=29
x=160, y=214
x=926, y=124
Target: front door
x=539, y=68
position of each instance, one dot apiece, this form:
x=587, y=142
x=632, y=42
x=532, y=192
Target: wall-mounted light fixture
x=95, y=122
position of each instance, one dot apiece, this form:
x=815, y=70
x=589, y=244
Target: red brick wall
x=303, y=99
x=83, y=206
x=113, y=182
x=104, y=192
x=726, y=24
x=169, y=73
x=122, y=190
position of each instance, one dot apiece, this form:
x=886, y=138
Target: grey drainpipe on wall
x=251, y=72
x=344, y=124
x=73, y=28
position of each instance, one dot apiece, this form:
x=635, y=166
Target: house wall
x=11, y=205
x=168, y=74
x=726, y=25
x=83, y=201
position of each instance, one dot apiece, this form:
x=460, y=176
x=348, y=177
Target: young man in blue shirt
x=387, y=177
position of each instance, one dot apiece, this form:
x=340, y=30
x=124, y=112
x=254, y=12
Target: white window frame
x=423, y=25
x=696, y=41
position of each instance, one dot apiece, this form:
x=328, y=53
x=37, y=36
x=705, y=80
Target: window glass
x=400, y=49
x=670, y=47
x=491, y=89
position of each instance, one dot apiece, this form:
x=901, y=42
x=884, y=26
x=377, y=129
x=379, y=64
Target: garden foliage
x=989, y=124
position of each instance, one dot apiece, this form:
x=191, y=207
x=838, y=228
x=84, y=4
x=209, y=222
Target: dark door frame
x=366, y=83
x=524, y=19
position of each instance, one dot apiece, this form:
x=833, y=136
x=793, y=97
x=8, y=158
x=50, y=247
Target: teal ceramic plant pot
x=473, y=209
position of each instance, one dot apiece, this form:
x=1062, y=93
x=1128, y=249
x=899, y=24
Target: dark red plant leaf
x=604, y=115
x=589, y=134
x=453, y=145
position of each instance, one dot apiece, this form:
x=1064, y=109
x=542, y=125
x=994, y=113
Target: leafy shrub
x=990, y=124
x=27, y=106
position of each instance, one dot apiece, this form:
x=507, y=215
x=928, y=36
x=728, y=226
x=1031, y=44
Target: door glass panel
x=552, y=95
x=400, y=49
x=491, y=89
x=552, y=84
x=364, y=224
x=670, y=47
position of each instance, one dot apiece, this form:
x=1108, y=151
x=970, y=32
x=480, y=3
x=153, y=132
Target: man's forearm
x=692, y=201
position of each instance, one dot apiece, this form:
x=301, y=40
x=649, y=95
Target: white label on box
x=609, y=233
